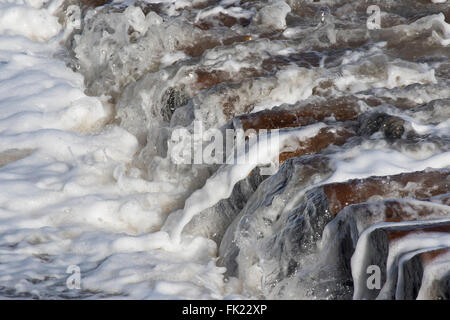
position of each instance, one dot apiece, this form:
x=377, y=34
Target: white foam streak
x=222, y=183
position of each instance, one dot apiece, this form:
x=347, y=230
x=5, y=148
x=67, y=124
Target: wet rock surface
x=369, y=188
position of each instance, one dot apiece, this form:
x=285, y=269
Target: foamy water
x=89, y=98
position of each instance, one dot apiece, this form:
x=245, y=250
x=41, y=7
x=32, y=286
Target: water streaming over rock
x=90, y=104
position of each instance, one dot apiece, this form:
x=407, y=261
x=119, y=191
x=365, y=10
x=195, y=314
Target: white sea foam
x=70, y=198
